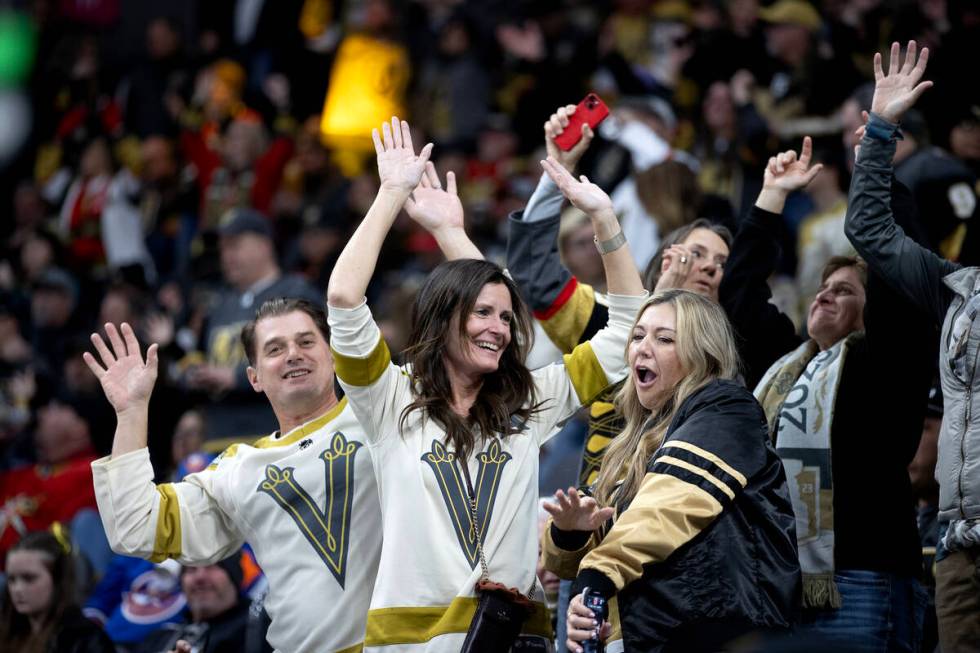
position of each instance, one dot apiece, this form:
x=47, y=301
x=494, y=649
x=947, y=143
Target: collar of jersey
x=303, y=430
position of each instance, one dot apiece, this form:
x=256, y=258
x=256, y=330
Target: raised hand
x=399, y=167
x=787, y=173
x=582, y=193
x=554, y=127
x=433, y=207
x=126, y=379
x=574, y=512
x=900, y=88
x=677, y=263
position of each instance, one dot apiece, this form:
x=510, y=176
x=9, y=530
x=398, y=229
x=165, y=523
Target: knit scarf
x=798, y=394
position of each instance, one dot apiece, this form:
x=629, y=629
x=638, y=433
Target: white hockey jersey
x=305, y=501
x=424, y=599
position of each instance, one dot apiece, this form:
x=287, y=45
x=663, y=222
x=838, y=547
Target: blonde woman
x=701, y=547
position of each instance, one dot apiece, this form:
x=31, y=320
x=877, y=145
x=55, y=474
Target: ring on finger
x=683, y=259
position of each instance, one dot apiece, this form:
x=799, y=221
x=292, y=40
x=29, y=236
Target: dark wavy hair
x=450, y=293
x=15, y=628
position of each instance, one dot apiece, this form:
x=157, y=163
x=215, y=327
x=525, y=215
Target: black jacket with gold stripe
x=706, y=550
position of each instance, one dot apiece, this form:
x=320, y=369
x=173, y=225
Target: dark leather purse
x=501, y=611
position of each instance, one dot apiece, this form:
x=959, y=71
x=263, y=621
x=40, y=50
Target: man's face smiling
x=293, y=365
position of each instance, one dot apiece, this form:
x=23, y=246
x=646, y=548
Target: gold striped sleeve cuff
x=166, y=542
x=666, y=513
x=362, y=371
x=585, y=372
x=410, y=625
x=566, y=326
x=678, y=455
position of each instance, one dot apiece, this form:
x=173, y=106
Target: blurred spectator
x=40, y=605
x=732, y=142
x=54, y=319
x=80, y=220
x=454, y=87
x=964, y=138
x=943, y=188
x=187, y=439
x=248, y=261
x=58, y=487
x=805, y=78
x=30, y=212
x=40, y=251
x=135, y=598
x=154, y=89
x=168, y=206
x=217, y=612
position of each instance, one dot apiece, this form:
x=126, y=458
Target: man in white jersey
x=305, y=497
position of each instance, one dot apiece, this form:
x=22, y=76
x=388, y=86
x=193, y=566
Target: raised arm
x=565, y=308
x=184, y=521
x=622, y=277
x=764, y=332
x=401, y=172
x=911, y=269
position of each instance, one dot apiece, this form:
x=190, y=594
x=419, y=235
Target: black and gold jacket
x=706, y=550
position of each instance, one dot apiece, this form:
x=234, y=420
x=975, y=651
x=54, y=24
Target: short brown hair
x=835, y=263
x=275, y=308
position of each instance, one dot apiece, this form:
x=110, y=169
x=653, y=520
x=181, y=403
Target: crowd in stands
x=186, y=162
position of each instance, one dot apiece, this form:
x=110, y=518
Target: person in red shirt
x=56, y=488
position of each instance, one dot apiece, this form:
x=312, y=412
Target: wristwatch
x=611, y=245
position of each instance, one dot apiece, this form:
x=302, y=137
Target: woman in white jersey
x=466, y=398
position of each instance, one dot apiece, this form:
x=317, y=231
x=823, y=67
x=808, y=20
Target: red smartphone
x=592, y=110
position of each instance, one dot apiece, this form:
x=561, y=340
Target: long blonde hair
x=706, y=351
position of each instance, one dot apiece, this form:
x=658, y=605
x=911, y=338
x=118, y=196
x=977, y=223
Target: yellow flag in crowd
x=367, y=87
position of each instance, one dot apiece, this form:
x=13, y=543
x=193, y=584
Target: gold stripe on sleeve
x=665, y=514
x=585, y=372
x=362, y=371
x=386, y=626
x=566, y=327
x=166, y=543
x=356, y=648
x=694, y=469
x=707, y=455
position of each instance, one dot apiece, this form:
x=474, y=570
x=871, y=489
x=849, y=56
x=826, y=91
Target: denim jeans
x=879, y=613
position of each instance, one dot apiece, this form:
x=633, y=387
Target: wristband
x=611, y=245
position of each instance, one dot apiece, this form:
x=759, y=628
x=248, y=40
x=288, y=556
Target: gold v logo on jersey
x=454, y=493
x=328, y=531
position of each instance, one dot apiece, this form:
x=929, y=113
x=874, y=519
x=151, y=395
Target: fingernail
x=595, y=623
